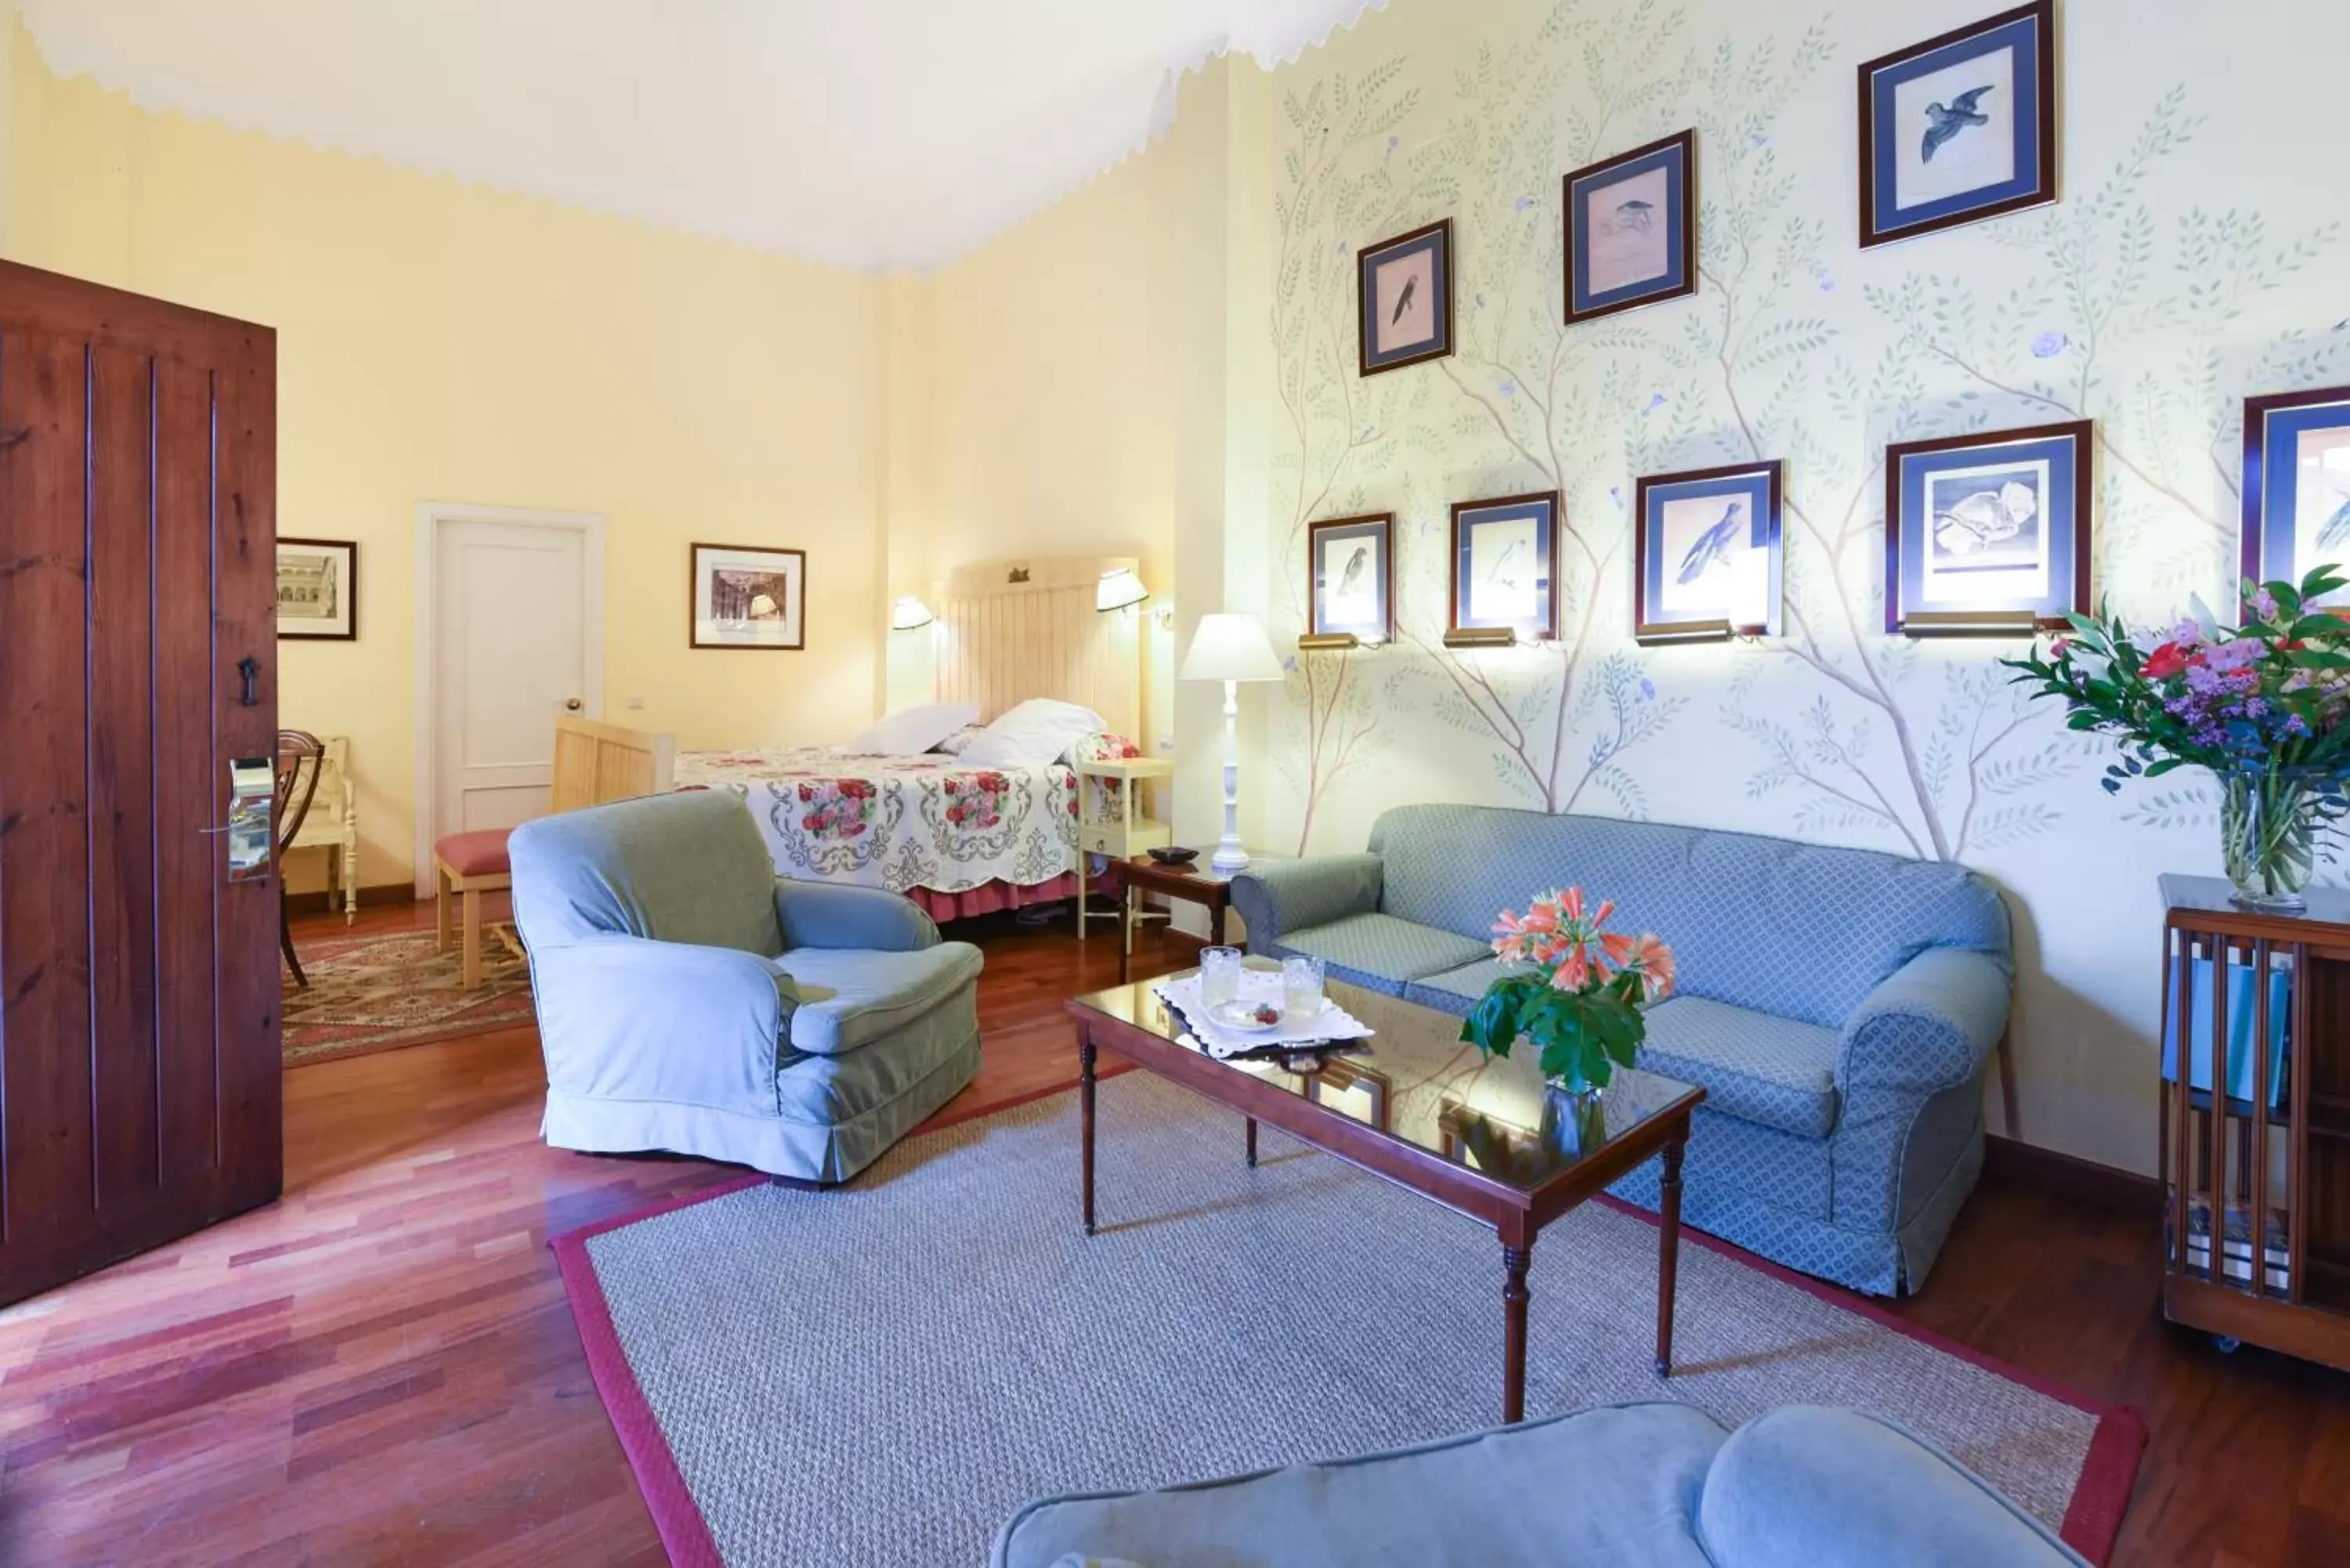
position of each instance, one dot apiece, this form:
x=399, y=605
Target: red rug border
x=2093, y=1519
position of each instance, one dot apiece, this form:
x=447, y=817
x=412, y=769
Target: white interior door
x=514, y=645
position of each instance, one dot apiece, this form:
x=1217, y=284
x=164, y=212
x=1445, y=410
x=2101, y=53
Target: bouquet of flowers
x=2265, y=705
x=1577, y=994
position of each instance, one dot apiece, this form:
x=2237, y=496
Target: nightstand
x=1124, y=835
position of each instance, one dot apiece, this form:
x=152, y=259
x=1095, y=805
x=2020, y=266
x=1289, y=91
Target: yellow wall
x=439, y=342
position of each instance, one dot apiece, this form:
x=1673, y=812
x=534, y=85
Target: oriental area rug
x=882, y=1373
x=380, y=992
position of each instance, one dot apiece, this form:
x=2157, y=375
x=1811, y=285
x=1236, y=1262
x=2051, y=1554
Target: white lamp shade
x=1230, y=648
x=909, y=613
x=1119, y=589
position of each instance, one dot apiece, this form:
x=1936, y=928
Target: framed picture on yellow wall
x=748, y=596
x=1351, y=572
x=1960, y=128
x=2297, y=486
x=317, y=589
x=1404, y=298
x=1630, y=236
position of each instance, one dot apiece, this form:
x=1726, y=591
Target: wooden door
x=139, y=1018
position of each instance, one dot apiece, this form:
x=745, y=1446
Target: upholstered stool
x=466, y=866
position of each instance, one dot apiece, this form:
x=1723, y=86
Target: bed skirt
x=991, y=898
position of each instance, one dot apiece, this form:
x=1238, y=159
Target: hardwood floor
x=381, y=1368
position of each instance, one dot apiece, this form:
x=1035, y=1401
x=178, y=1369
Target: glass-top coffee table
x=1420, y=1107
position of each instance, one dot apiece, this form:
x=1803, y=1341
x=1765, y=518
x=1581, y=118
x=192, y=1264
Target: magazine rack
x=2256, y=1132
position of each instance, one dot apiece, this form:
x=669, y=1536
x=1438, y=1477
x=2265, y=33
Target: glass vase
x=1573, y=1118
x=2269, y=822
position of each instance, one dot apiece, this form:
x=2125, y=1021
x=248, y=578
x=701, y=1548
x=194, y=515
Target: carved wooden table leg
x=1668, y=1251
x=1515, y=1297
x=1086, y=1122
x=1252, y=1143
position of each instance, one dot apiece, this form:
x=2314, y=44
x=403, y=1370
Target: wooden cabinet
x=2255, y=1123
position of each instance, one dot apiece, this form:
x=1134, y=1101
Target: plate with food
x=1246, y=1017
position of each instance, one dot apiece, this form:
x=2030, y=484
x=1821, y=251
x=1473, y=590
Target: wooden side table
x=1191, y=884
x=1123, y=836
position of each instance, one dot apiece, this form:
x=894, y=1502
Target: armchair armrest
x=837, y=915
x=1281, y=897
x=1928, y=1026
x=629, y=1018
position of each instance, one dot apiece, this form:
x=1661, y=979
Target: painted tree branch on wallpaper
x=2097, y=308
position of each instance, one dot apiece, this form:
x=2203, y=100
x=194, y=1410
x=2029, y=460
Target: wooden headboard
x=1012, y=629
x=595, y=762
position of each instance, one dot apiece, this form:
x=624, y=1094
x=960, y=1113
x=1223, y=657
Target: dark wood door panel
x=45, y=1127
x=138, y=1053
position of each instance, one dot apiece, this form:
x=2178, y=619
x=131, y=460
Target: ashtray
x=1169, y=855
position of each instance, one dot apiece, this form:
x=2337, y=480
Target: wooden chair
x=593, y=763
x=300, y=756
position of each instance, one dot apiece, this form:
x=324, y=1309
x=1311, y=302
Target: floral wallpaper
x=2181, y=270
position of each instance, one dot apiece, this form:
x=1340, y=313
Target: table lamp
x=1230, y=648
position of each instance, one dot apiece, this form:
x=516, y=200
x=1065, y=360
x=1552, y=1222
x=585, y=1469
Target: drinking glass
x=1219, y=975
x=1301, y=984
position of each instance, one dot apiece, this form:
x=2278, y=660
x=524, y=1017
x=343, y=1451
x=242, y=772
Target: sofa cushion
x=1380, y=952
x=1808, y=1487
x=1801, y=930
x=1456, y=991
x=841, y=1090
x=850, y=996
x=1752, y=1065
x=1611, y=1487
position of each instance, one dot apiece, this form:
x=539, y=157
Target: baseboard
x=2051, y=1170
x=321, y=902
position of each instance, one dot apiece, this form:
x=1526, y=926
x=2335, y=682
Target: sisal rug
x=881, y=1375
x=380, y=992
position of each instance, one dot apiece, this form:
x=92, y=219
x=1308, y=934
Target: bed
x=959, y=840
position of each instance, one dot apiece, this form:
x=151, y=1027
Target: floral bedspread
x=900, y=822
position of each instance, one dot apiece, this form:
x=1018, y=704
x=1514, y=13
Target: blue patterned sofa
x=1839, y=1006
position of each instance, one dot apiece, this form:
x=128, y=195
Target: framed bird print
x=1504, y=568
x=1404, y=298
x=2297, y=486
x=747, y=597
x=1631, y=229
x=1350, y=566
x=1960, y=128
x=1988, y=533
x=1708, y=557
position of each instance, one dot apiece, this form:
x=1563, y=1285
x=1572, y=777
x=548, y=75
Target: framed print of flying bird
x=1961, y=128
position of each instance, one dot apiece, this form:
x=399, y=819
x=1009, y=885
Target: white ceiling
x=868, y=134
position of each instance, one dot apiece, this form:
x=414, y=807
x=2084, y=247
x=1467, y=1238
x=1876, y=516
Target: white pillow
x=1034, y=735
x=955, y=745
x=910, y=731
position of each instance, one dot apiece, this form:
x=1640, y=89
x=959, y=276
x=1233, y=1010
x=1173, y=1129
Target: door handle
x=571, y=704
x=251, y=802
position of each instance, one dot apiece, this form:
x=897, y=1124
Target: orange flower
x=1653, y=962
x=1573, y=973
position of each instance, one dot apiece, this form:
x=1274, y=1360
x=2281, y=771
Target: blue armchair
x=690, y=1000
